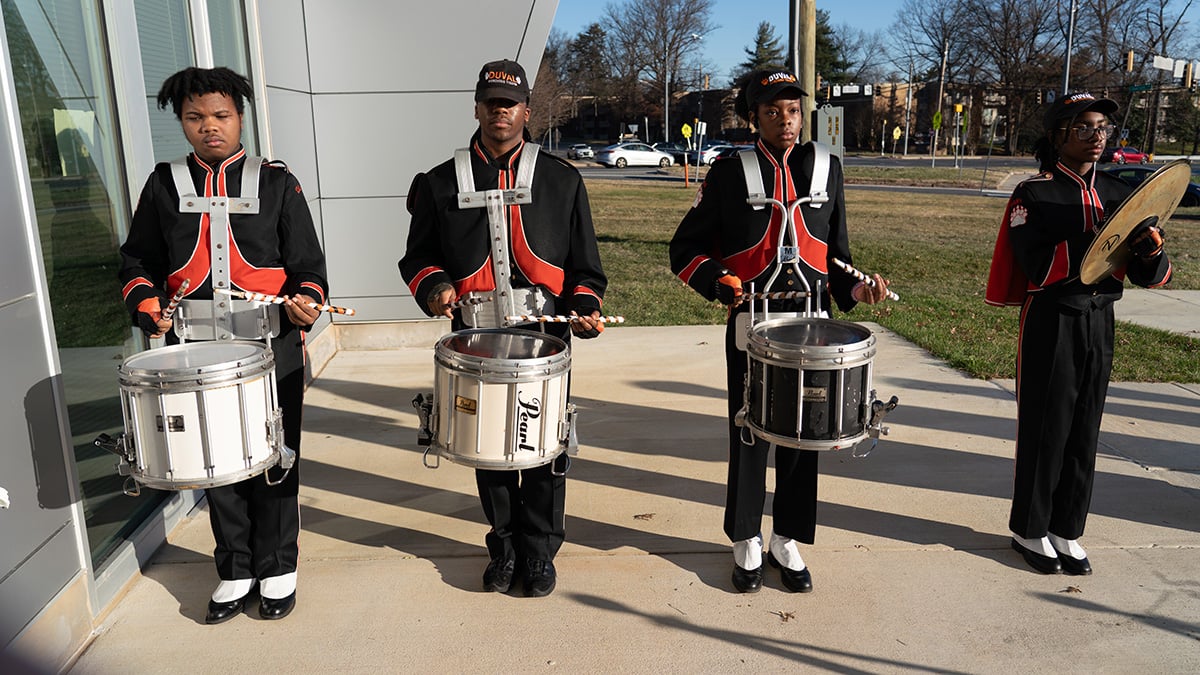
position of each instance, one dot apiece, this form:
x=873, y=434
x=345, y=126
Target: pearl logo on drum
x=527, y=411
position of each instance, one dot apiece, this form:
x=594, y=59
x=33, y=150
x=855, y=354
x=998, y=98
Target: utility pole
x=804, y=57
x=908, y=106
x=1066, y=82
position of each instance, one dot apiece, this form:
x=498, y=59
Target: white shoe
x=277, y=588
x=1039, y=546
x=1067, y=547
x=230, y=590
x=747, y=553
x=786, y=552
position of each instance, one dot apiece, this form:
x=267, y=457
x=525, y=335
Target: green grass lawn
x=935, y=250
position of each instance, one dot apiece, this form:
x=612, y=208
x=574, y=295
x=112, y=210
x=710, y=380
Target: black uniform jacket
x=1050, y=222
x=551, y=240
x=723, y=234
x=274, y=251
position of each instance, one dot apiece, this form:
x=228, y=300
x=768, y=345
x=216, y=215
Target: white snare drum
x=500, y=398
x=200, y=415
x=809, y=383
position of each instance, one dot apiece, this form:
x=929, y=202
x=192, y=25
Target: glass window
x=227, y=25
x=165, y=41
x=62, y=78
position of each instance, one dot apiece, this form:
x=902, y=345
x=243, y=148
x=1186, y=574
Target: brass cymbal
x=1156, y=198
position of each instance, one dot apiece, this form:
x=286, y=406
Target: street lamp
x=694, y=37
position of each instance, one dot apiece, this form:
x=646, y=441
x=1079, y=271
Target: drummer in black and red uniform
x=275, y=251
x=552, y=247
x=1065, y=347
x=723, y=244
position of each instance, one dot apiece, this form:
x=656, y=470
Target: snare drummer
x=723, y=243
x=274, y=251
x=553, y=254
x=1065, y=346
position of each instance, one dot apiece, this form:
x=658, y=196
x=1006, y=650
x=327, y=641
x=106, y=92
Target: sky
x=725, y=47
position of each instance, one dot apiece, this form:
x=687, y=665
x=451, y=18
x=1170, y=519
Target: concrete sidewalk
x=912, y=566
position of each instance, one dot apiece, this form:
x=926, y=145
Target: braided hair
x=191, y=82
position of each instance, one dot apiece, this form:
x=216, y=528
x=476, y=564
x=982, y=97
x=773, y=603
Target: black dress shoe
x=1042, y=563
x=270, y=609
x=540, y=578
x=499, y=575
x=747, y=581
x=1074, y=565
x=795, y=581
x=220, y=612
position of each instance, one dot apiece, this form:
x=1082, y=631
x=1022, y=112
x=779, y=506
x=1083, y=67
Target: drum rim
x=161, y=483
x=806, y=443
x=444, y=451
x=791, y=354
x=494, y=370
x=196, y=378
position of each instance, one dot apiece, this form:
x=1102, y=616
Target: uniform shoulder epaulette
x=1040, y=177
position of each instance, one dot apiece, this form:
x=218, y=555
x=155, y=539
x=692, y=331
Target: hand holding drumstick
x=873, y=288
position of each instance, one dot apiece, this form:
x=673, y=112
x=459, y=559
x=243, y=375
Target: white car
x=622, y=155
x=580, y=151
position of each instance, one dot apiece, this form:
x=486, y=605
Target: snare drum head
x=195, y=357
x=811, y=332
x=505, y=345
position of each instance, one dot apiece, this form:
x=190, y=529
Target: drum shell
x=503, y=406
x=809, y=382
x=201, y=414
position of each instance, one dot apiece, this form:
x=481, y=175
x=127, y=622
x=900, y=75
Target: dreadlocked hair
x=1045, y=152
x=193, y=81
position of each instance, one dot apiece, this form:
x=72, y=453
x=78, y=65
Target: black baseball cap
x=766, y=85
x=502, y=79
x=1069, y=106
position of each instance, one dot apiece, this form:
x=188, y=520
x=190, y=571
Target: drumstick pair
x=862, y=277
x=279, y=300
x=558, y=318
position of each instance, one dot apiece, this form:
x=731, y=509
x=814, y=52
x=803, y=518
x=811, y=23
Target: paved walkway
x=912, y=566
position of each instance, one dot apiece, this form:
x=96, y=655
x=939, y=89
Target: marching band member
x=723, y=243
x=275, y=251
x=553, y=257
x=1065, y=347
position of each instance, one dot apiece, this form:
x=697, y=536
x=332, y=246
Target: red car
x=1125, y=155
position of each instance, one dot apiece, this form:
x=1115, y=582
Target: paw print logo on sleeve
x=1017, y=216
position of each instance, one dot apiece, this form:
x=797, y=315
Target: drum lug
x=566, y=430
x=424, y=406
x=275, y=431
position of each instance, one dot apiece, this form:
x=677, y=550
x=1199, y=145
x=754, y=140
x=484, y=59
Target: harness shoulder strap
x=526, y=164
x=181, y=175
x=462, y=170
x=250, y=170
x=754, y=181
x=818, y=190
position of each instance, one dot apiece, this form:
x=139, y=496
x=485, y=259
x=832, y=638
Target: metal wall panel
x=367, y=271
x=285, y=43
x=293, y=138
x=369, y=45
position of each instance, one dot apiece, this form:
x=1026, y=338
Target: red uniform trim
x=686, y=274
x=421, y=276
x=140, y=281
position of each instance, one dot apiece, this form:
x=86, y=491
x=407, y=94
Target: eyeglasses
x=1086, y=133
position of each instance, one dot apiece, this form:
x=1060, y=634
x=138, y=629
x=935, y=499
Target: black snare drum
x=809, y=382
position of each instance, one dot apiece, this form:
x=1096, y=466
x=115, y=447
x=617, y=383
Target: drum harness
x=496, y=308
x=789, y=255
x=222, y=318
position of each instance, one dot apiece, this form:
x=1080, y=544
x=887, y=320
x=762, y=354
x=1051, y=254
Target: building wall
x=360, y=95
x=363, y=95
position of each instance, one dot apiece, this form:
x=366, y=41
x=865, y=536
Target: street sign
x=1141, y=87
x=686, y=130
x=937, y=120
x=896, y=134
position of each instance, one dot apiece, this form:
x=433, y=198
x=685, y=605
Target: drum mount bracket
x=122, y=448
x=875, y=427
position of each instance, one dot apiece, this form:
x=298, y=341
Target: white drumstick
x=774, y=295
x=170, y=311
x=862, y=277
x=475, y=300
x=558, y=318
x=279, y=300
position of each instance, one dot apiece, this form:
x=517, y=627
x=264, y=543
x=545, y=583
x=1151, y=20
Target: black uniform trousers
x=525, y=507
x=255, y=525
x=1062, y=379
x=794, y=509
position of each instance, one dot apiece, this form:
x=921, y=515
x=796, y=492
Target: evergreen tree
x=767, y=52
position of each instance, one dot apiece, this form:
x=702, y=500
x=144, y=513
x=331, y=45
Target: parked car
x=677, y=151
x=622, y=155
x=730, y=151
x=1125, y=155
x=580, y=151
x=708, y=154
x=1136, y=175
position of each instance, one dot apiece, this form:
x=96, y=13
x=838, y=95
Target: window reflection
x=62, y=85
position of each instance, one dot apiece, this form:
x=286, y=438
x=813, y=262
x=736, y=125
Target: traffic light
x=1129, y=61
